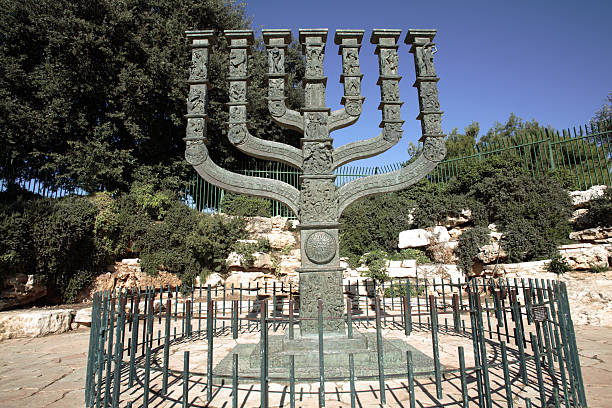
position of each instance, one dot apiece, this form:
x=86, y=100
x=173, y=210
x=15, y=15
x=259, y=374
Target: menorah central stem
x=320, y=274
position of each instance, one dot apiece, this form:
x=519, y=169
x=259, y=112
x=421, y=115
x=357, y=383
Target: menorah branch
x=240, y=42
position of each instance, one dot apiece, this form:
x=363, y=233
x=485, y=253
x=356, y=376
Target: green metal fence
x=584, y=153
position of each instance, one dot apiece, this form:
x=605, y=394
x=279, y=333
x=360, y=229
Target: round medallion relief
x=320, y=247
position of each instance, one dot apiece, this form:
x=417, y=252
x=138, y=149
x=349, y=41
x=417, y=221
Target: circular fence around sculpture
x=481, y=343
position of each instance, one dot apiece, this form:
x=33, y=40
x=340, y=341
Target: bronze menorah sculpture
x=318, y=203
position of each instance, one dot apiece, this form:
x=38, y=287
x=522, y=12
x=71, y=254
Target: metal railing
x=160, y=346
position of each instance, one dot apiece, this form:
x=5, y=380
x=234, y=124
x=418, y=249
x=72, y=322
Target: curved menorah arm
x=433, y=152
x=349, y=42
x=386, y=48
x=240, y=42
x=197, y=155
x=276, y=42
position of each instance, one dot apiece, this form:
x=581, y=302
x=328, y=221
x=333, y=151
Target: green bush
x=397, y=290
x=558, y=265
x=245, y=250
x=376, y=261
x=245, y=206
x=468, y=245
x=410, y=253
x=599, y=268
x=600, y=212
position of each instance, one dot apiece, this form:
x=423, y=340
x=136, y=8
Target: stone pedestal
x=327, y=286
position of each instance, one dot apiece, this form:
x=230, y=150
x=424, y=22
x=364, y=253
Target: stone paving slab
x=49, y=372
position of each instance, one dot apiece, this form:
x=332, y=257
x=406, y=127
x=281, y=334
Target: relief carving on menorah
x=318, y=203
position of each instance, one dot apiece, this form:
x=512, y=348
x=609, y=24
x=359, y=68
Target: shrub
x=245, y=250
x=410, y=253
x=376, y=261
x=467, y=248
x=397, y=290
x=245, y=206
x=558, y=265
x=598, y=268
x=600, y=212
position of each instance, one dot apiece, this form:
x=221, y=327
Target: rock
x=516, y=270
x=289, y=264
x=36, y=323
x=131, y=261
x=279, y=223
x=409, y=263
x=439, y=234
x=20, y=289
x=443, y=252
x=258, y=225
x=280, y=239
x=447, y=272
x=214, y=279
x=238, y=278
x=490, y=253
x=464, y=218
x=455, y=233
x=414, y=238
x=401, y=272
x=580, y=199
x=601, y=234
x=394, y=264
x=128, y=275
x=260, y=261
x=577, y=215
x=584, y=256
x=83, y=317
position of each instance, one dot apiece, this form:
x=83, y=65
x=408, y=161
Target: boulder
x=289, y=264
x=214, y=279
x=446, y=272
x=584, y=256
x=83, y=317
x=455, y=233
x=260, y=261
x=127, y=275
x=414, y=238
x=280, y=239
x=443, y=252
x=599, y=234
x=490, y=253
x=35, y=323
x=517, y=270
x=20, y=289
x=464, y=218
x=580, y=199
x=439, y=234
x=238, y=278
x=258, y=225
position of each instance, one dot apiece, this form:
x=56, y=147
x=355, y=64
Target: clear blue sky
x=544, y=60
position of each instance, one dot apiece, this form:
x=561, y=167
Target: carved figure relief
x=351, y=62
x=351, y=87
x=353, y=107
x=434, y=149
x=275, y=61
x=318, y=201
x=276, y=88
x=237, y=114
x=392, y=132
x=390, y=91
x=392, y=112
x=314, y=61
x=199, y=70
x=316, y=126
x=389, y=62
x=317, y=157
x=277, y=108
x=429, y=96
x=196, y=103
x=327, y=287
x=238, y=63
x=425, y=60
x=237, y=92
x=195, y=127
x=237, y=134
x=432, y=124
x=196, y=152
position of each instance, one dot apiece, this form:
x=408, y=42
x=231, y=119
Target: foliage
x=462, y=144
x=565, y=177
x=603, y=116
x=76, y=283
x=376, y=262
x=410, y=253
x=598, y=268
x=599, y=212
x=122, y=110
x=558, y=265
x=399, y=289
x=467, y=248
x=245, y=250
x=245, y=206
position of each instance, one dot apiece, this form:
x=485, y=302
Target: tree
x=458, y=144
x=513, y=130
x=93, y=93
x=604, y=115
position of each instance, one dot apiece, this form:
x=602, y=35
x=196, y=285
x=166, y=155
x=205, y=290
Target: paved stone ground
x=49, y=371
